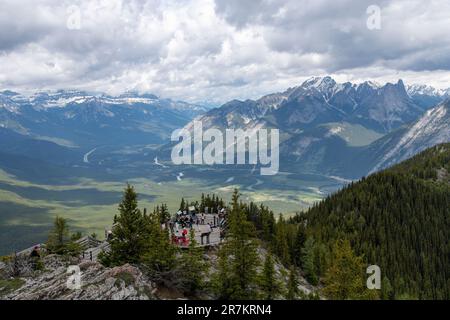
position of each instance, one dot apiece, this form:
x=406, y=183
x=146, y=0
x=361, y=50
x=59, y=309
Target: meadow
x=27, y=209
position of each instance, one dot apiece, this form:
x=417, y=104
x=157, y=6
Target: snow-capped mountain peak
x=423, y=89
x=9, y=104
x=325, y=85
x=48, y=100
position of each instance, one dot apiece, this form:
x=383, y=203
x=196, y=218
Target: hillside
x=124, y=282
x=342, y=149
x=429, y=130
x=397, y=219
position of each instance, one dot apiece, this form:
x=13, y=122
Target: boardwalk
x=214, y=237
x=91, y=254
x=92, y=247
x=206, y=234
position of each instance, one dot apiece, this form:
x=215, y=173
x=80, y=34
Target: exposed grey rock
x=430, y=130
x=125, y=282
x=97, y=283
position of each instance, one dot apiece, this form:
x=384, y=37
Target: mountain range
x=80, y=119
x=343, y=129
x=321, y=100
x=70, y=152
x=338, y=129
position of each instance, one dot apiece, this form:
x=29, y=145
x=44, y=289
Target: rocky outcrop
x=97, y=283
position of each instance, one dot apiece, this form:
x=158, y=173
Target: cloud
x=206, y=50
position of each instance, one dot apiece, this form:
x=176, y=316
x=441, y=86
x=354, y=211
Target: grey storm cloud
x=200, y=50
x=338, y=29
x=20, y=25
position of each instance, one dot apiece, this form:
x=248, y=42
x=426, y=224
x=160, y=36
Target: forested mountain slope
x=397, y=219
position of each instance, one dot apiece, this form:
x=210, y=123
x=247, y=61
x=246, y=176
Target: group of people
x=185, y=221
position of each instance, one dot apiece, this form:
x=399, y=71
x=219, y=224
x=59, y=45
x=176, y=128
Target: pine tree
x=59, y=236
x=221, y=281
x=193, y=267
x=267, y=223
x=159, y=257
x=202, y=203
x=345, y=277
x=281, y=241
x=182, y=205
x=386, y=289
x=238, y=257
x=129, y=232
x=164, y=214
x=292, y=292
x=300, y=239
x=270, y=285
x=308, y=259
x=76, y=236
x=60, y=241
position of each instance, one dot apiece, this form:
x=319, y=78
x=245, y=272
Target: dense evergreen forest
x=397, y=219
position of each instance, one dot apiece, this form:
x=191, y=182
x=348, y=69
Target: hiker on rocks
x=35, y=256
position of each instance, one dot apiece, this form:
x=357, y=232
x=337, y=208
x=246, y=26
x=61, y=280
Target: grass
x=8, y=286
x=126, y=277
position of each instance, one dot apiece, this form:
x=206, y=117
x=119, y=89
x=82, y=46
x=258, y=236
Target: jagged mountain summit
x=318, y=100
x=427, y=96
x=341, y=129
x=423, y=89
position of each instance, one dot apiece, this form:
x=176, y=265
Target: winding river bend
x=86, y=156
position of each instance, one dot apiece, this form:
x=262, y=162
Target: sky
x=213, y=51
